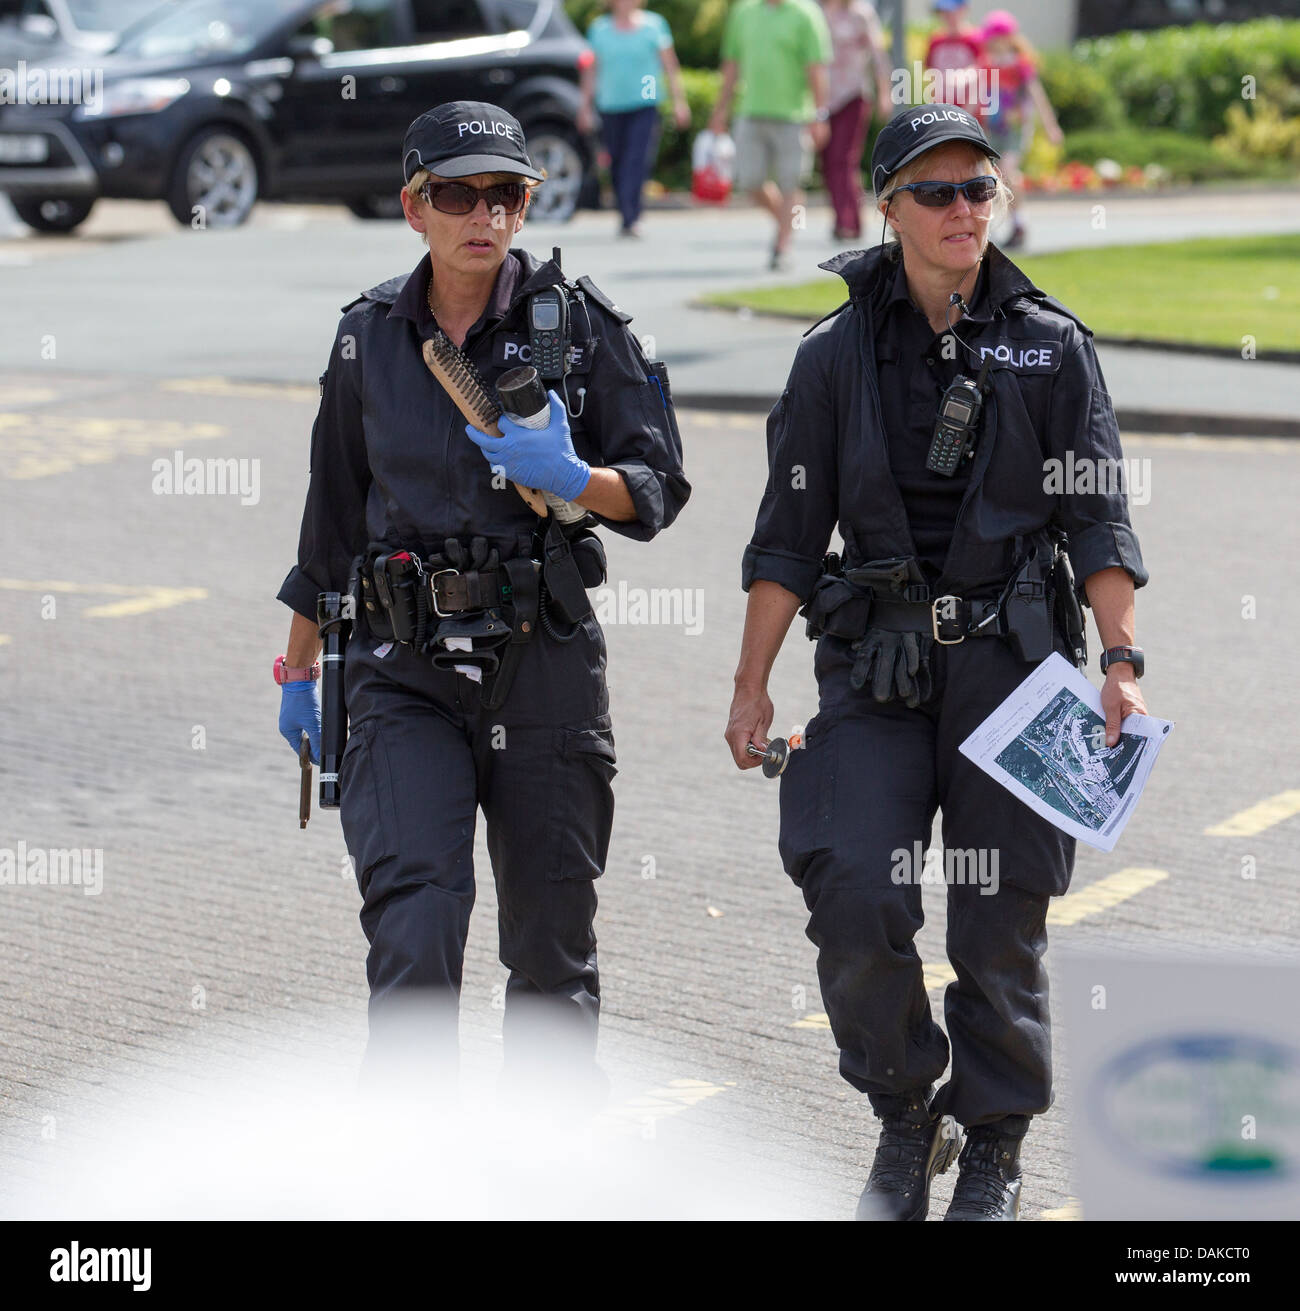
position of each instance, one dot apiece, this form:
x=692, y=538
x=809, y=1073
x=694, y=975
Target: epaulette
x=839, y=309
x=384, y=292
x=590, y=289
x=1051, y=303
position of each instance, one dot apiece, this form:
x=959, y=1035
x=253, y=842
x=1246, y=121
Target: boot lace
x=900, y=1155
x=981, y=1185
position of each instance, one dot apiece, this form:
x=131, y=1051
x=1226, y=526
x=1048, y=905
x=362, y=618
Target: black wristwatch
x=1116, y=654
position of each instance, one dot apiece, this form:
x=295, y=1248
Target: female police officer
x=421, y=512
x=946, y=596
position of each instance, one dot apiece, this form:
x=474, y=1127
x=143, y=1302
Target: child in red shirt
x=954, y=51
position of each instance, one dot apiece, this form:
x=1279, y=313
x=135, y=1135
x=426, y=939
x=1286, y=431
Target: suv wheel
x=52, y=215
x=217, y=175
x=555, y=148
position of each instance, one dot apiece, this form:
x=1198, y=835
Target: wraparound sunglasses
x=461, y=198
x=939, y=195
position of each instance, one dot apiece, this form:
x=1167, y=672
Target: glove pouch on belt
x=837, y=607
x=485, y=630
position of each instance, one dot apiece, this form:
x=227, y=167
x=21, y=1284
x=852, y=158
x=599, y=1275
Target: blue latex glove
x=537, y=457
x=299, y=709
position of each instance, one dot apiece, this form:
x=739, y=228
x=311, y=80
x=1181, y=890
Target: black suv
x=211, y=104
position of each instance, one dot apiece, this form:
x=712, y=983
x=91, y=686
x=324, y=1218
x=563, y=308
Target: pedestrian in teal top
x=634, y=51
x=778, y=52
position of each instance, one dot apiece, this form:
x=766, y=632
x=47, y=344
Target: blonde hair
x=916, y=170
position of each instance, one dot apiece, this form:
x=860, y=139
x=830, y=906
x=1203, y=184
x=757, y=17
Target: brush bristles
x=458, y=374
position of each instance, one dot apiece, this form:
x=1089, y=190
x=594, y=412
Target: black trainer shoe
x=914, y=1146
x=988, y=1179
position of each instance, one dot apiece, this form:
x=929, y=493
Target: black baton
x=334, y=628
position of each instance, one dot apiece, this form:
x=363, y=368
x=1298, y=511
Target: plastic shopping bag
x=713, y=167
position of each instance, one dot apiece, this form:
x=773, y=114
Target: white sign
x=1185, y=1087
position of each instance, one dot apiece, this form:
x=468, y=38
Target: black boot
x=914, y=1146
x=988, y=1179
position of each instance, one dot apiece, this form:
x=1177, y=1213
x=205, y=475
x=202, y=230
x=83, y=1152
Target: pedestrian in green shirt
x=778, y=52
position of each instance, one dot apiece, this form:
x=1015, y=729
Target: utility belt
x=894, y=595
x=465, y=606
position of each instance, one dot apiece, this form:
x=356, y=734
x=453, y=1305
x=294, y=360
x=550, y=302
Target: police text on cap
x=478, y=126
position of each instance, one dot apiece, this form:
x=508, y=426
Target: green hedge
x=1179, y=78
x=1184, y=158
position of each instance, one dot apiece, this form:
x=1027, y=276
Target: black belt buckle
x=948, y=630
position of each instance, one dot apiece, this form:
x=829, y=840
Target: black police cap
x=911, y=132
x=464, y=137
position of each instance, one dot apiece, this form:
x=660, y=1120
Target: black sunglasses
x=461, y=198
x=939, y=195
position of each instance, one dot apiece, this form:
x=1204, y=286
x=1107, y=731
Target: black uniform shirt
x=829, y=460
x=390, y=459
x=915, y=365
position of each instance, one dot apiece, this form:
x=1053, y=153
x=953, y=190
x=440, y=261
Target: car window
x=517, y=15
x=105, y=15
x=205, y=29
x=440, y=20
x=354, y=24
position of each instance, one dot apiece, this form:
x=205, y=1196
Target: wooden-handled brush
x=467, y=389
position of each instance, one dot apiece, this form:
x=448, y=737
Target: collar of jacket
x=864, y=271
x=404, y=292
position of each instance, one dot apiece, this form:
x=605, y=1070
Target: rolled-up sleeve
x=798, y=511
x=629, y=425
x=333, y=529
x=1092, y=504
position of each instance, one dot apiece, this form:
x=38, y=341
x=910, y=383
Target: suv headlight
x=136, y=95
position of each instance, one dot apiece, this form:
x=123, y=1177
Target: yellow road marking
x=1246, y=823
x=39, y=445
x=1103, y=894
x=1070, y=1210
x=813, y=1020
x=217, y=386
x=14, y=395
x=139, y=599
x=5, y=639
x=656, y=1104
x=1092, y=900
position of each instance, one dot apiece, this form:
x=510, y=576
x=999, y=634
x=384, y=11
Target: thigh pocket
x=582, y=802
x=366, y=809
x=808, y=799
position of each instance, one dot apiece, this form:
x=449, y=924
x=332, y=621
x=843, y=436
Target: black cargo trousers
x=423, y=755
x=854, y=802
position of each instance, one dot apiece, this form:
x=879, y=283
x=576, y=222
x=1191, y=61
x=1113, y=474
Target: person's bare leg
x=786, y=208
x=768, y=197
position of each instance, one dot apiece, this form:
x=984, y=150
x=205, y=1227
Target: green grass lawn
x=1212, y=291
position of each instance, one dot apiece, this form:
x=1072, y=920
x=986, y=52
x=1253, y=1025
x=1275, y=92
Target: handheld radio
x=957, y=424
x=548, y=330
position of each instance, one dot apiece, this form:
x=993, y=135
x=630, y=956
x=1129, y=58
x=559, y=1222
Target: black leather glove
x=897, y=666
x=912, y=669
x=478, y=557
